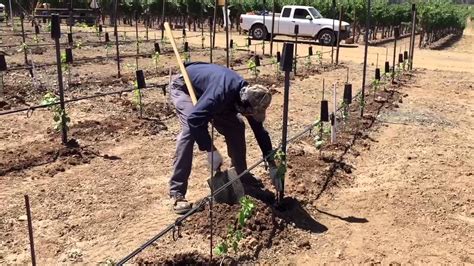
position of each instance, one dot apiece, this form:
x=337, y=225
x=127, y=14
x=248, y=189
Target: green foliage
x=64, y=65
x=23, y=48
x=276, y=66
x=78, y=45
x=58, y=114
x=319, y=57
x=137, y=95
x=156, y=58
x=324, y=130
x=252, y=66
x=308, y=62
x=280, y=161
x=234, y=232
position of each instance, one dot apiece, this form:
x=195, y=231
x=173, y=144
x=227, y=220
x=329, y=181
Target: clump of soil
x=57, y=156
x=191, y=258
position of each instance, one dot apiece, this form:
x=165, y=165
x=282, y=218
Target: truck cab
x=310, y=22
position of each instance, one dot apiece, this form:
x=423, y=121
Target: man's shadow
x=292, y=212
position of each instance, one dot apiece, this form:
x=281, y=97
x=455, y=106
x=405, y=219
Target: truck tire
x=326, y=37
x=259, y=32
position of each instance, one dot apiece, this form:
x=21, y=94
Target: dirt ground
x=397, y=188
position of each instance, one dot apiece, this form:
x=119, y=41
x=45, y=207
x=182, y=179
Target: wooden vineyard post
x=56, y=34
x=226, y=18
x=338, y=35
x=69, y=61
x=3, y=68
x=25, y=47
x=333, y=116
x=366, y=37
x=273, y=28
x=137, y=40
x=163, y=21
x=333, y=22
x=296, y=31
x=323, y=115
x=396, y=35
x=286, y=64
x=412, y=39
x=117, y=38
x=30, y=230
x=140, y=85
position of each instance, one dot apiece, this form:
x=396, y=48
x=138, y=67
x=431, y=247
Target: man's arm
x=262, y=136
x=209, y=103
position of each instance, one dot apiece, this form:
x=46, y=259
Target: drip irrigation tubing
x=87, y=43
x=92, y=59
x=208, y=198
x=274, y=63
x=32, y=108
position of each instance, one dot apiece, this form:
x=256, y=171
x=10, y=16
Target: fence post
x=366, y=37
x=56, y=34
x=286, y=63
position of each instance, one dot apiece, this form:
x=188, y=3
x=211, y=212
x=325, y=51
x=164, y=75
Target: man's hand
x=214, y=159
x=276, y=181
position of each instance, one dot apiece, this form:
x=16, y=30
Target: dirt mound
x=57, y=156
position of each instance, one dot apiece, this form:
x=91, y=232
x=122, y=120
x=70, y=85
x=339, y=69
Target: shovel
x=230, y=194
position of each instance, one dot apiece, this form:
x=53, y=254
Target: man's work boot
x=180, y=204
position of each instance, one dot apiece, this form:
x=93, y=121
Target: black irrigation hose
x=32, y=108
x=92, y=43
x=208, y=198
x=274, y=63
x=92, y=59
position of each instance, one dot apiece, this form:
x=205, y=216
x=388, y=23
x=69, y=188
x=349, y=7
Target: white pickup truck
x=311, y=24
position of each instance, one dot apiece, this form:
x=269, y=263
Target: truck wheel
x=326, y=37
x=259, y=32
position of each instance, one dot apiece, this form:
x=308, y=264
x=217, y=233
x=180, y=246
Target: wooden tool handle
x=189, y=85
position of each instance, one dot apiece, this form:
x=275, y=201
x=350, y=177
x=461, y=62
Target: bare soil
x=396, y=187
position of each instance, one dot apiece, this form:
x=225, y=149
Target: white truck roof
x=292, y=6
x=2, y=5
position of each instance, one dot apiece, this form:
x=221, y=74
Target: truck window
x=300, y=13
x=286, y=13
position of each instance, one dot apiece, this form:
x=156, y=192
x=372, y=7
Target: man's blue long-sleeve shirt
x=218, y=89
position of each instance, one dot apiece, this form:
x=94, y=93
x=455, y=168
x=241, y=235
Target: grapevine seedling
x=48, y=27
x=156, y=58
x=319, y=57
x=107, y=48
x=361, y=101
x=24, y=48
x=280, y=161
x=345, y=111
x=58, y=114
x=234, y=232
x=324, y=130
x=308, y=62
x=36, y=39
x=79, y=45
x=137, y=96
x=277, y=67
x=232, y=55
x=66, y=67
x=131, y=66
x=376, y=85
x=187, y=56
x=252, y=66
